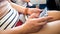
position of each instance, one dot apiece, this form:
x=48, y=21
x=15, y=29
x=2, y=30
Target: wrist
x=26, y=11
x=25, y=29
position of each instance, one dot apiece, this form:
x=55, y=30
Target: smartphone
x=44, y=13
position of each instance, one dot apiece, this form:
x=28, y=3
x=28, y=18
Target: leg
x=50, y=28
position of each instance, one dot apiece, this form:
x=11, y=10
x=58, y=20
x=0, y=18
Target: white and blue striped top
x=9, y=20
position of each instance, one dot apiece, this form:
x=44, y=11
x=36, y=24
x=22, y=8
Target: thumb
x=33, y=16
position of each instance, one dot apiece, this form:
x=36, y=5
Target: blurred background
x=39, y=3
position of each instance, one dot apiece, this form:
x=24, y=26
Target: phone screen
x=43, y=13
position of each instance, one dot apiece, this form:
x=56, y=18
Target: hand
x=34, y=24
x=33, y=10
x=26, y=0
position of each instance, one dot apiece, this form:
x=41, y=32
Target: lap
x=50, y=28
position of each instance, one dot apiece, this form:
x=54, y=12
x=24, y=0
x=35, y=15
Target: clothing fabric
x=21, y=3
x=10, y=19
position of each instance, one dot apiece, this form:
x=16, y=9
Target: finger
x=32, y=16
x=42, y=19
x=42, y=23
x=40, y=10
x=36, y=10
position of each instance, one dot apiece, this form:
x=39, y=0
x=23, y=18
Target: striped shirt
x=9, y=20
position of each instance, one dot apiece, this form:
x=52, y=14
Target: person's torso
x=10, y=19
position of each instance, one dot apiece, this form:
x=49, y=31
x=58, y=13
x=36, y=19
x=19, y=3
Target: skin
x=23, y=29
x=55, y=14
x=36, y=23
x=26, y=0
x=50, y=28
x=23, y=9
x=53, y=26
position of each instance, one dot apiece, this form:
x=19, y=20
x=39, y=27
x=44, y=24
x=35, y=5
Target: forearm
x=50, y=28
x=16, y=30
x=18, y=7
x=54, y=14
